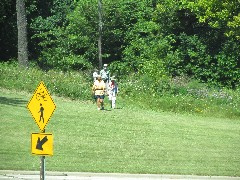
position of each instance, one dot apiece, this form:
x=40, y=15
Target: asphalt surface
x=49, y=175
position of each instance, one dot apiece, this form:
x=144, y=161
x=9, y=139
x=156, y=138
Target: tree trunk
x=22, y=33
x=100, y=34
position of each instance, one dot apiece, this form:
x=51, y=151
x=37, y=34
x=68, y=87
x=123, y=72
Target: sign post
x=42, y=144
x=41, y=106
x=42, y=168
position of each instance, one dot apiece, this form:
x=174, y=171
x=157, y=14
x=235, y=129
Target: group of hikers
x=104, y=85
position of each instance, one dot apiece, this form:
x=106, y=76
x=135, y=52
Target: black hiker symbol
x=41, y=113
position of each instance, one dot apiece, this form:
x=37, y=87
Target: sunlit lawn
x=128, y=140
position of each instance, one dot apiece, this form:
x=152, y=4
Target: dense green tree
x=119, y=18
x=222, y=14
x=202, y=34
x=222, y=19
x=8, y=30
x=158, y=38
x=47, y=29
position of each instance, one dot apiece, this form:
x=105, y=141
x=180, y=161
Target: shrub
x=182, y=95
x=73, y=84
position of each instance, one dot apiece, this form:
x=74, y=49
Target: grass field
x=127, y=139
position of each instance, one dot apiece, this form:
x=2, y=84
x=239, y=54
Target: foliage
x=119, y=18
x=146, y=54
x=166, y=15
x=234, y=26
x=200, y=43
x=57, y=41
x=182, y=95
x=199, y=39
x=192, y=58
x=72, y=84
x=8, y=30
x=218, y=14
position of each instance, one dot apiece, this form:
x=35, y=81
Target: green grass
x=177, y=94
x=127, y=140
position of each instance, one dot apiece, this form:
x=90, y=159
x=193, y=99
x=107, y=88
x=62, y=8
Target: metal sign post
x=42, y=144
x=42, y=167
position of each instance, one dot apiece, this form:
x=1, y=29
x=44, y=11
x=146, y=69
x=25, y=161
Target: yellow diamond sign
x=41, y=106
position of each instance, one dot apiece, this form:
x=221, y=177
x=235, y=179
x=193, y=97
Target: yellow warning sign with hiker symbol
x=41, y=106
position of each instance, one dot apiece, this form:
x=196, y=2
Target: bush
x=73, y=84
x=182, y=95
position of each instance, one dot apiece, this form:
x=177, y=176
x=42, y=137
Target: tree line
x=157, y=38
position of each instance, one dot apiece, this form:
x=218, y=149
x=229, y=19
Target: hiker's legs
x=110, y=98
x=98, y=103
x=113, y=102
x=101, y=103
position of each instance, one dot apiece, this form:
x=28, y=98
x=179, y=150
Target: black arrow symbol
x=40, y=143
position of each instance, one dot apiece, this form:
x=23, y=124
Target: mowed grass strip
x=124, y=140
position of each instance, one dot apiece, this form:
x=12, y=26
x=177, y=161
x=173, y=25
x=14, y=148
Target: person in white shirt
x=95, y=74
x=105, y=74
x=112, y=92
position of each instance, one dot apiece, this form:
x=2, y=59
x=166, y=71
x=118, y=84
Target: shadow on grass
x=106, y=110
x=118, y=108
x=13, y=101
x=110, y=109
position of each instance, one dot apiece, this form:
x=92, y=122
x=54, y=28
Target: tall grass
x=183, y=95
x=179, y=94
x=75, y=85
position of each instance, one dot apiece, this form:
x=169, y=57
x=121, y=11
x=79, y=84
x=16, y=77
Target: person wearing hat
x=112, y=92
x=99, y=90
x=105, y=74
x=95, y=74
